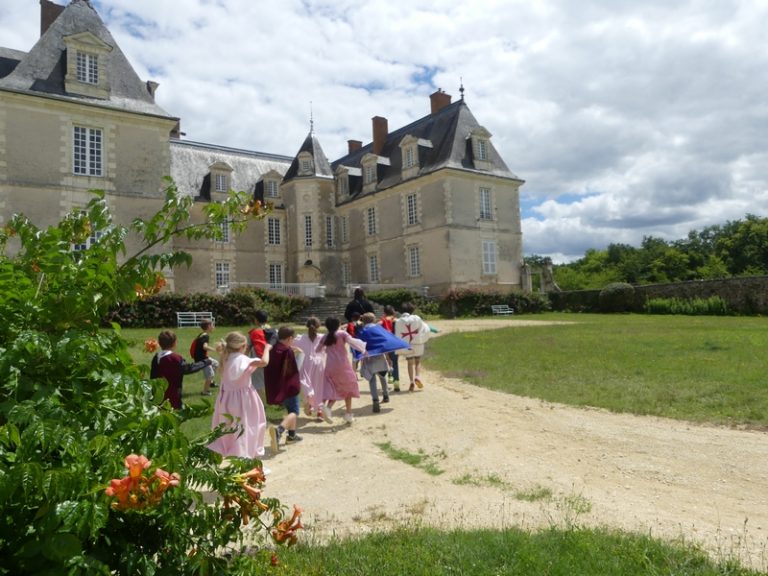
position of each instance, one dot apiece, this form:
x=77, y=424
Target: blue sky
x=625, y=119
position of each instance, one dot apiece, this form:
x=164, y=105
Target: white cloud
x=625, y=118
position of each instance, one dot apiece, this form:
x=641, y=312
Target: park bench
x=501, y=309
x=192, y=318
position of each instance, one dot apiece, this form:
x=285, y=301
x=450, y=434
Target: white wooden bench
x=192, y=318
x=501, y=309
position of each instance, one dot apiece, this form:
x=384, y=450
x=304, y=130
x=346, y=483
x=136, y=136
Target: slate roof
x=41, y=70
x=191, y=162
x=320, y=162
x=448, y=131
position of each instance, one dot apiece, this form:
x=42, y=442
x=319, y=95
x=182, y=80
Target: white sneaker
x=327, y=414
x=348, y=418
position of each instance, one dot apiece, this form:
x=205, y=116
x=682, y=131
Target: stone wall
x=744, y=295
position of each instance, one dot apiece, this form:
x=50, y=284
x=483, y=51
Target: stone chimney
x=439, y=100
x=353, y=145
x=380, y=131
x=152, y=87
x=49, y=11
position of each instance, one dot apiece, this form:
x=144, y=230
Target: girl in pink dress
x=238, y=398
x=340, y=378
x=312, y=370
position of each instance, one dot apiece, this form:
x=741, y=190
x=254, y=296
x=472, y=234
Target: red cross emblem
x=410, y=333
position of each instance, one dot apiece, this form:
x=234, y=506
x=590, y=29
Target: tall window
x=224, y=226
x=273, y=231
x=275, y=274
x=373, y=268
x=87, y=68
x=221, y=182
x=346, y=274
x=485, y=204
x=329, y=231
x=414, y=261
x=222, y=274
x=369, y=175
x=307, y=230
x=87, y=151
x=343, y=185
x=306, y=165
x=482, y=149
x=344, y=230
x=270, y=188
x=409, y=157
x=371, y=220
x=412, y=209
x=489, y=257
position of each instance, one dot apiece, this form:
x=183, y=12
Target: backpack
x=193, y=346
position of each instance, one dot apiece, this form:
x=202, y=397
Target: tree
x=75, y=412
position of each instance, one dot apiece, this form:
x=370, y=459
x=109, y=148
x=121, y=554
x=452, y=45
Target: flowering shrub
x=73, y=404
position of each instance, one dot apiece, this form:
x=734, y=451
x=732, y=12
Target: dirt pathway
x=513, y=461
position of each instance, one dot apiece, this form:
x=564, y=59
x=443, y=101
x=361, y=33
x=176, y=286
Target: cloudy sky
x=625, y=118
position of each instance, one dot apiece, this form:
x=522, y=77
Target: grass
x=422, y=461
x=509, y=552
x=701, y=369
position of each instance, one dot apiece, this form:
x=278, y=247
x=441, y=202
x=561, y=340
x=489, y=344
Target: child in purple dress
x=239, y=399
x=340, y=378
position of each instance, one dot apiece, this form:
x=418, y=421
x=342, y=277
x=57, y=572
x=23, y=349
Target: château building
x=430, y=204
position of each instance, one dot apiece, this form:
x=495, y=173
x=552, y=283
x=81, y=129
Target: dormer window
x=370, y=174
x=221, y=177
x=409, y=148
x=481, y=148
x=271, y=188
x=409, y=157
x=306, y=164
x=87, y=72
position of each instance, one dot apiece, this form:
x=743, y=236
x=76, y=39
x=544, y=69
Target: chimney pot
x=380, y=132
x=439, y=100
x=353, y=145
x=152, y=87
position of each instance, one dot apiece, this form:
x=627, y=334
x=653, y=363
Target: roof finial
x=311, y=118
x=461, y=87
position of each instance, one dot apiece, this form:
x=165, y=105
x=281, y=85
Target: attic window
x=87, y=65
x=342, y=184
x=87, y=68
x=221, y=177
x=306, y=165
x=409, y=157
x=481, y=148
x=271, y=188
x=221, y=183
x=370, y=174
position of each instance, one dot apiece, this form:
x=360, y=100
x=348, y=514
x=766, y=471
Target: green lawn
x=704, y=369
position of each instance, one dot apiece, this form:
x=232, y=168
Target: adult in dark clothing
x=358, y=304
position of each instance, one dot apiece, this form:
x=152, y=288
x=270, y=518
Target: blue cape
x=379, y=340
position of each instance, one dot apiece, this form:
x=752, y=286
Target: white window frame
x=369, y=174
x=373, y=269
x=308, y=230
x=273, y=231
x=220, y=182
x=409, y=157
x=87, y=151
x=346, y=273
x=271, y=189
x=482, y=149
x=344, y=230
x=87, y=68
x=486, y=204
x=275, y=274
x=222, y=272
x=329, y=231
x=225, y=237
x=414, y=261
x=490, y=259
x=412, y=209
x=370, y=221
x=343, y=186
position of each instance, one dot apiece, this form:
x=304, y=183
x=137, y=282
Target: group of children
x=279, y=368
